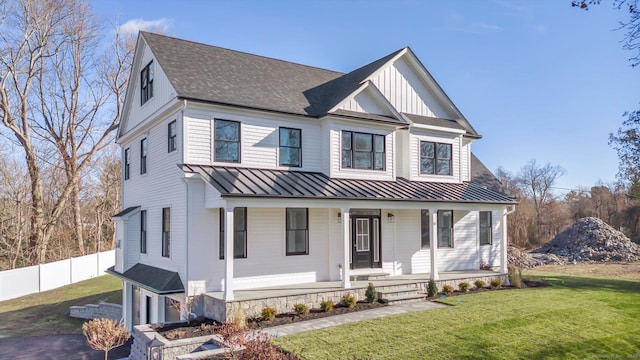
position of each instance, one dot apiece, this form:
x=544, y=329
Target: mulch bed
x=203, y=326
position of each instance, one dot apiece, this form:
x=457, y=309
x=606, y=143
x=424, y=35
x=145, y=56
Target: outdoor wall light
x=339, y=218
x=390, y=218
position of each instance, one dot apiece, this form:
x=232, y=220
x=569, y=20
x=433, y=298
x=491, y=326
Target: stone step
x=398, y=299
x=396, y=291
x=367, y=277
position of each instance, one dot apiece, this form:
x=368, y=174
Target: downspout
x=186, y=222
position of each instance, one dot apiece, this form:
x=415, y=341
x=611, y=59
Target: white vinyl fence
x=28, y=280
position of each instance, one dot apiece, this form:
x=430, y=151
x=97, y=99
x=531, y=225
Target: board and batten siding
x=162, y=92
x=259, y=140
x=162, y=186
x=336, y=170
x=490, y=254
x=406, y=91
x=414, y=152
x=464, y=254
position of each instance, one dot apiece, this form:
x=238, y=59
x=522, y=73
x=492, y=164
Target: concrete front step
x=398, y=299
x=367, y=277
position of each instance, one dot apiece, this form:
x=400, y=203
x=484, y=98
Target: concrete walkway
x=336, y=320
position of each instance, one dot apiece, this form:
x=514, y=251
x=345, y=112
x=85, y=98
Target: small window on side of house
x=425, y=226
x=445, y=228
x=166, y=232
x=226, y=140
x=297, y=231
x=485, y=227
x=143, y=231
x=146, y=83
x=171, y=136
x=127, y=163
x=143, y=156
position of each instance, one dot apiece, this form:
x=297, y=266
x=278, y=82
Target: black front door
x=365, y=241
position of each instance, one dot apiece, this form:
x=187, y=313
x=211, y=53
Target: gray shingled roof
x=250, y=182
x=159, y=281
x=213, y=74
x=428, y=120
x=126, y=211
x=482, y=176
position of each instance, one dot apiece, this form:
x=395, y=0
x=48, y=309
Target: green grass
x=44, y=313
x=576, y=318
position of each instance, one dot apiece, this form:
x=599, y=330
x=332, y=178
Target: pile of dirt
x=590, y=240
x=523, y=260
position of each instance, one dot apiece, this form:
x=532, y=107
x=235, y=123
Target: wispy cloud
x=134, y=25
x=486, y=27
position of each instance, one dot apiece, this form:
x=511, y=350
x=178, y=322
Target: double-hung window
x=227, y=140
x=171, y=136
x=146, y=83
x=485, y=227
x=166, y=232
x=362, y=151
x=239, y=233
x=445, y=228
x=425, y=226
x=297, y=229
x=290, y=147
x=435, y=158
x=127, y=163
x=143, y=156
x=143, y=231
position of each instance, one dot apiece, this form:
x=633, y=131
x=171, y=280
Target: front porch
x=283, y=298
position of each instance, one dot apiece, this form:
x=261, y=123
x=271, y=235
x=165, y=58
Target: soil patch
x=620, y=270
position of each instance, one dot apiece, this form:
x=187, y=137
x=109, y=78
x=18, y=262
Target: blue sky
x=538, y=79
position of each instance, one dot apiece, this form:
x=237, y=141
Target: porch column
x=346, y=245
x=228, y=253
x=503, y=244
x=433, y=243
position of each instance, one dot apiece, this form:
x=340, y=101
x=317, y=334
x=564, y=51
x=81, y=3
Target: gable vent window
x=362, y=151
x=435, y=158
x=171, y=137
x=227, y=140
x=143, y=156
x=146, y=83
x=290, y=147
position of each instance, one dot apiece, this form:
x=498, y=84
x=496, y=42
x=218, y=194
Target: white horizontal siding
x=364, y=102
x=490, y=254
x=198, y=149
x=162, y=186
x=336, y=169
x=464, y=254
x=414, y=153
x=162, y=91
x=406, y=92
x=465, y=160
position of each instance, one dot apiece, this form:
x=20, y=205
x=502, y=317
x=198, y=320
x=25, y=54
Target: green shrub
x=269, y=313
x=464, y=286
x=326, y=305
x=432, y=288
x=349, y=301
x=447, y=289
x=479, y=284
x=301, y=309
x=495, y=283
x=371, y=294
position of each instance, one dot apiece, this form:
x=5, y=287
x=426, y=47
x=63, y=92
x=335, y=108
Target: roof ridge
x=241, y=52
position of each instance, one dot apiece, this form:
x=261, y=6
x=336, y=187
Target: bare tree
x=536, y=182
x=55, y=92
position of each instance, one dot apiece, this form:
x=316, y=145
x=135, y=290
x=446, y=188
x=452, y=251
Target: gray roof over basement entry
x=268, y=183
x=154, y=279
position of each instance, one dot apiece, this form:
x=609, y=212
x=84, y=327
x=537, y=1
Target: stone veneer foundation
x=171, y=349
x=221, y=310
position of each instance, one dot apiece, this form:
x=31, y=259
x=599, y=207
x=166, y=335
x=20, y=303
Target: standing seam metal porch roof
x=269, y=183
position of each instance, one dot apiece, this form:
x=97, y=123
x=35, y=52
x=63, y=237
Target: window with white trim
x=445, y=228
x=146, y=83
x=435, y=158
x=362, y=151
x=484, y=220
x=297, y=231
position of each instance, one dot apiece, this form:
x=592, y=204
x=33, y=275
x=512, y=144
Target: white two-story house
x=242, y=172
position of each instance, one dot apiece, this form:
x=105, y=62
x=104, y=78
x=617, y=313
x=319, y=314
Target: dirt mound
x=523, y=260
x=590, y=239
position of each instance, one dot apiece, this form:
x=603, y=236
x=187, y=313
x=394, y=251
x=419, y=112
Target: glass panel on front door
x=362, y=234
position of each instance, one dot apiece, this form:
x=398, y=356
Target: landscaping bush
x=515, y=276
x=349, y=301
x=447, y=289
x=240, y=319
x=105, y=334
x=371, y=294
x=495, y=283
x=432, y=288
x=326, y=305
x=479, y=284
x=463, y=286
x=301, y=309
x=269, y=313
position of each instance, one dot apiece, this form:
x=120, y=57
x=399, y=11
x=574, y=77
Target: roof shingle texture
x=209, y=73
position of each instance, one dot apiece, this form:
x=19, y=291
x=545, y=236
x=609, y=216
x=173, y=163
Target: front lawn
x=44, y=313
x=577, y=317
